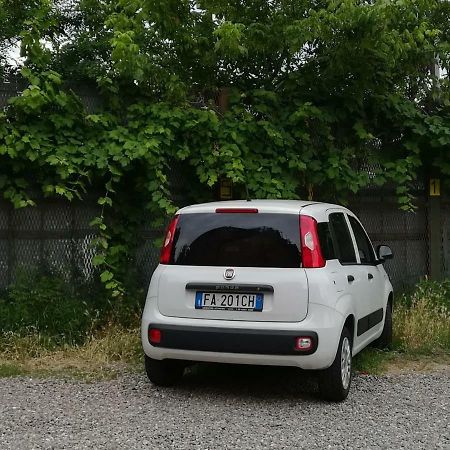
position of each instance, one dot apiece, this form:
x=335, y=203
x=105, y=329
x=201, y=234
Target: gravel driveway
x=225, y=407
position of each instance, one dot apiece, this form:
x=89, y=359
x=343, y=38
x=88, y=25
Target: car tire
x=334, y=382
x=384, y=342
x=165, y=372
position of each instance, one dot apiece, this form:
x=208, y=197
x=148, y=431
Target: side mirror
x=384, y=252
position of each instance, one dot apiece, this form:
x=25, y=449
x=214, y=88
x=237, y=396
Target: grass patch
x=372, y=361
x=422, y=321
x=48, y=327
x=421, y=324
x=53, y=313
x=8, y=369
x=106, y=354
x=377, y=362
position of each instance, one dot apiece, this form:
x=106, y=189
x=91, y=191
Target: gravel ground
x=226, y=407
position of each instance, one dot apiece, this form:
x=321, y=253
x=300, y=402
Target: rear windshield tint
x=242, y=240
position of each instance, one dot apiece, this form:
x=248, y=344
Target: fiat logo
x=228, y=274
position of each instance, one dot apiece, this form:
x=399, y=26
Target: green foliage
x=421, y=324
x=322, y=99
x=46, y=306
x=422, y=319
x=436, y=292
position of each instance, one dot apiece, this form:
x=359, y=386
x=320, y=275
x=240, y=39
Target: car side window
x=342, y=239
x=326, y=241
x=365, y=248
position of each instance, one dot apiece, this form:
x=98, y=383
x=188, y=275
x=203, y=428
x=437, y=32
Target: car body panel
x=287, y=303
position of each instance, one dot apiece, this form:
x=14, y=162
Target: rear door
x=235, y=266
x=353, y=276
x=373, y=282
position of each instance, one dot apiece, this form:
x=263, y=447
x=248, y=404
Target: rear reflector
x=154, y=336
x=237, y=210
x=303, y=343
x=311, y=252
x=166, y=249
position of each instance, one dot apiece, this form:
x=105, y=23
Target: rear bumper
x=245, y=339
x=232, y=340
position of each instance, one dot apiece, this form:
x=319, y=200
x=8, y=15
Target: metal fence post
x=434, y=229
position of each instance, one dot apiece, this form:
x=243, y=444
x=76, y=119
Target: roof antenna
x=247, y=194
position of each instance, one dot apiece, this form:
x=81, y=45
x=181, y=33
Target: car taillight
x=311, y=252
x=166, y=249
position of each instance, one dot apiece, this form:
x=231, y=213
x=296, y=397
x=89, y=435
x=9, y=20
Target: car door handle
x=370, y=276
x=350, y=278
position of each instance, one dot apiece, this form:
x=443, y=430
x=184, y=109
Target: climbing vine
x=287, y=100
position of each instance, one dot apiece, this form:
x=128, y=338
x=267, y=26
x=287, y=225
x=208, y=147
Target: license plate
x=231, y=302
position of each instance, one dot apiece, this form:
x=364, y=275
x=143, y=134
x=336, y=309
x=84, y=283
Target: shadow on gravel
x=250, y=381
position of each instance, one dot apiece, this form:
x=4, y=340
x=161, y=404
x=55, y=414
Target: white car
x=267, y=282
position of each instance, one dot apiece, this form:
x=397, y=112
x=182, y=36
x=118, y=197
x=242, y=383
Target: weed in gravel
x=8, y=369
x=372, y=361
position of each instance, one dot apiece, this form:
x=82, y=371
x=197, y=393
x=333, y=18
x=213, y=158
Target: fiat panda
x=267, y=282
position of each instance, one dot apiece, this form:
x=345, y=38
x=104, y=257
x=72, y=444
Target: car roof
x=316, y=209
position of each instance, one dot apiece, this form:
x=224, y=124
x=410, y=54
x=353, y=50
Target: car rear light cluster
x=166, y=250
x=311, y=253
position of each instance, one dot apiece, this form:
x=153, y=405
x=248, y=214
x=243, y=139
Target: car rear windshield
x=237, y=239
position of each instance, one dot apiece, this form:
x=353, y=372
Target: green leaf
x=106, y=276
x=98, y=260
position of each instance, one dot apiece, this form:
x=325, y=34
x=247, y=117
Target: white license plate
x=241, y=301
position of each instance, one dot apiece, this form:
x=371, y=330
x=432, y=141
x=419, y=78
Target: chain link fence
x=56, y=235
x=405, y=232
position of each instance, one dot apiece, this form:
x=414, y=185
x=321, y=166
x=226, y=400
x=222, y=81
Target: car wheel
x=385, y=340
x=165, y=372
x=334, y=382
